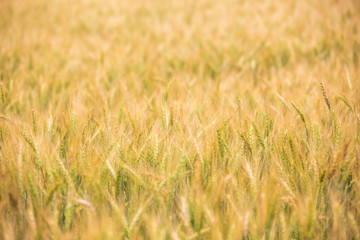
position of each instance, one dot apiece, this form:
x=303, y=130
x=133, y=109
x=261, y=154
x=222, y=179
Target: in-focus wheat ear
x=74, y=122
x=325, y=96
x=220, y=143
x=34, y=121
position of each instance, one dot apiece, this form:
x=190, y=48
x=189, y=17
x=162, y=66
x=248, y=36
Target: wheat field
x=169, y=119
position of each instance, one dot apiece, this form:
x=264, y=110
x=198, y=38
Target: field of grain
x=169, y=119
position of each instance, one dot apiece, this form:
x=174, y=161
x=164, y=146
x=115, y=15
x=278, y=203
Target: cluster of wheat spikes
x=206, y=119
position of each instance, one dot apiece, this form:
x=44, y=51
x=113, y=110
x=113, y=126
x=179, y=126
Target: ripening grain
x=154, y=119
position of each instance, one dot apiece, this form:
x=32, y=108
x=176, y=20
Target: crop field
x=169, y=119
